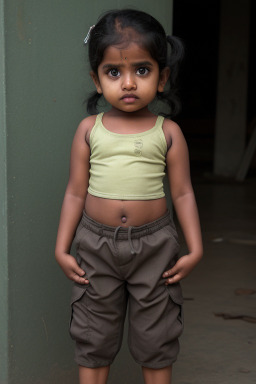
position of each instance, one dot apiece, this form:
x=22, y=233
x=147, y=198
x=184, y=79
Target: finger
x=170, y=272
x=80, y=276
x=79, y=271
x=81, y=280
x=172, y=280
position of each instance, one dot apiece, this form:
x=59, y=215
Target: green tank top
x=127, y=166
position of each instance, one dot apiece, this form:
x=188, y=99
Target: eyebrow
x=138, y=64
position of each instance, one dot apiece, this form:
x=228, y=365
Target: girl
x=126, y=241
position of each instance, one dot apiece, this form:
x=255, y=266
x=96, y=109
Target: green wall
x=44, y=80
x=3, y=213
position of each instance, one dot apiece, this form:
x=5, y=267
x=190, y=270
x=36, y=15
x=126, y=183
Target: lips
x=129, y=98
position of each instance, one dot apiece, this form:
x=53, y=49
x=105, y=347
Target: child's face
x=129, y=78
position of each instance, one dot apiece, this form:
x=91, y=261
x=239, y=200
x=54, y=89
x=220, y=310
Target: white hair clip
x=88, y=34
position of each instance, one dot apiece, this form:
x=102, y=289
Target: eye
x=113, y=72
x=142, y=71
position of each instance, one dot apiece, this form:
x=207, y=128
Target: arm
x=184, y=204
x=73, y=204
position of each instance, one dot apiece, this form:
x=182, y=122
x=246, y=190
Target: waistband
x=136, y=232
x=122, y=233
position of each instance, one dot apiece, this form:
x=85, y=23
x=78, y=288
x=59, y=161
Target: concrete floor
x=216, y=350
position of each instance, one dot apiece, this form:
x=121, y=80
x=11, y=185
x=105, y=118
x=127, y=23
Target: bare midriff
x=124, y=212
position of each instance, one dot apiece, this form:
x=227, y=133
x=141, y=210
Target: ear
x=96, y=81
x=164, y=75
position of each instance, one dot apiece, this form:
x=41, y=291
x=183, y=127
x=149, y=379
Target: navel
x=123, y=219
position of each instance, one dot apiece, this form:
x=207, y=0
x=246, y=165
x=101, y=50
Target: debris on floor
x=244, y=291
x=227, y=316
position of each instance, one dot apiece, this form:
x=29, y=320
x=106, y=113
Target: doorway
x=197, y=24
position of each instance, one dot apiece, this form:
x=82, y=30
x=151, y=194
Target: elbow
x=182, y=196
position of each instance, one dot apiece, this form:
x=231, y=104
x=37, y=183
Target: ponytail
x=92, y=103
x=170, y=95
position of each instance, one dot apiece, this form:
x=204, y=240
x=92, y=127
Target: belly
x=124, y=212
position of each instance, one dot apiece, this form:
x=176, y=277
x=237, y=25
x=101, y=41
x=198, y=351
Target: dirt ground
x=219, y=341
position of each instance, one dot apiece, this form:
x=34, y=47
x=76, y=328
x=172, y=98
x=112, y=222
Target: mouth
x=129, y=98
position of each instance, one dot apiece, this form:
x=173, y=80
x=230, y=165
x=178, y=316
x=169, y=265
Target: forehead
x=132, y=53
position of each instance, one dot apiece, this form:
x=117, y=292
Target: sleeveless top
x=127, y=166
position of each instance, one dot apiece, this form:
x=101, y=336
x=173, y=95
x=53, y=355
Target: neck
x=142, y=113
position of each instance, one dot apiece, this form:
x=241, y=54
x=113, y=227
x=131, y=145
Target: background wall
x=44, y=81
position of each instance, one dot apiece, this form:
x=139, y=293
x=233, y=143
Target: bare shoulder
x=85, y=127
x=171, y=127
x=172, y=132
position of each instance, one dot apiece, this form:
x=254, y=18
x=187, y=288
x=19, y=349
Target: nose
x=129, y=82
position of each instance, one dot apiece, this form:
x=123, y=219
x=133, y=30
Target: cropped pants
x=124, y=267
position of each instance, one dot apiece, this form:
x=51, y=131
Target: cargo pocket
x=79, y=320
x=175, y=295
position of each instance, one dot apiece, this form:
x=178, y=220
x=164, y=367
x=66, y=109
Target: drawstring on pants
x=133, y=252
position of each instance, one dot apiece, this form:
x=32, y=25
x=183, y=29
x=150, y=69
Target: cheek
x=152, y=88
x=109, y=93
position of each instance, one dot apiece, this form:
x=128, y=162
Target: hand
x=181, y=269
x=71, y=269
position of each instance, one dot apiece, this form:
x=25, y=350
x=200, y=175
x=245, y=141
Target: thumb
x=79, y=271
